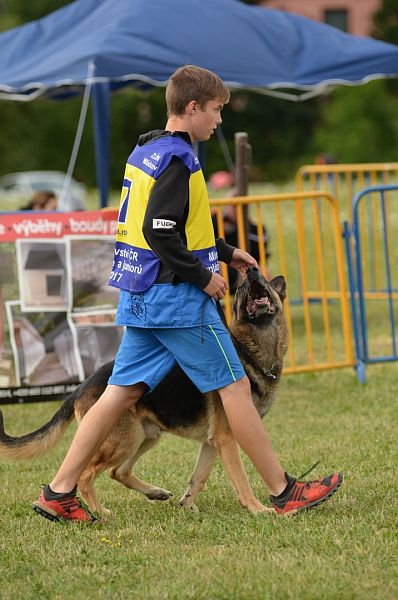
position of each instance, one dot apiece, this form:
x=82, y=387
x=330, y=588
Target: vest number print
x=127, y=185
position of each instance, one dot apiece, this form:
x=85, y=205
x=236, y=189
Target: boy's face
x=204, y=121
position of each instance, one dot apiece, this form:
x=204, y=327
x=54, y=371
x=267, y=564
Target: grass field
x=345, y=549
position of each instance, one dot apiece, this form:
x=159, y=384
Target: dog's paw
x=159, y=494
x=257, y=508
x=187, y=504
x=185, y=501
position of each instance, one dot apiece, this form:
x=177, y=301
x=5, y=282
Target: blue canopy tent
x=107, y=44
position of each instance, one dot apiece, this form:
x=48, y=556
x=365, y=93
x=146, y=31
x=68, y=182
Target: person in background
x=231, y=238
x=223, y=181
x=42, y=200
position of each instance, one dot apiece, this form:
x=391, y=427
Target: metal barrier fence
x=317, y=316
x=344, y=181
x=374, y=308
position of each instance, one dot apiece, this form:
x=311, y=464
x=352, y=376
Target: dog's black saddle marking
x=176, y=401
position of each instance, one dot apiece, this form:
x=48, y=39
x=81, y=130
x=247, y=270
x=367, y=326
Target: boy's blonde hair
x=193, y=83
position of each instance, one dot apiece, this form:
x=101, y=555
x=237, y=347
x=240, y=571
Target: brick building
x=353, y=16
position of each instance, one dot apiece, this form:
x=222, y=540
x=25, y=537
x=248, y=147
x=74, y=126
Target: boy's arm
x=169, y=202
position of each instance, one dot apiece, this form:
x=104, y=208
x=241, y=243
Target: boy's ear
x=192, y=106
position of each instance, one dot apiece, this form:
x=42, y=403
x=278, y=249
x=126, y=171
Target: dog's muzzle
x=259, y=298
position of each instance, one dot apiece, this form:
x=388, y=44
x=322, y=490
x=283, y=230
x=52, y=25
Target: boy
x=166, y=266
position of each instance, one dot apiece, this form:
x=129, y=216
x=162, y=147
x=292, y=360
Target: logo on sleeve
x=163, y=224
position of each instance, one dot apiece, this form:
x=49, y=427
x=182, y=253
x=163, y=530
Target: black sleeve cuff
x=224, y=250
x=204, y=279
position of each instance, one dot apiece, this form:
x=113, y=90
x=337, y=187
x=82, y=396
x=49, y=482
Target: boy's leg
x=140, y=359
x=93, y=429
x=288, y=496
x=58, y=501
x=208, y=357
x=248, y=430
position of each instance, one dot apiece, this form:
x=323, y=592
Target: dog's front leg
x=228, y=451
x=204, y=464
x=124, y=473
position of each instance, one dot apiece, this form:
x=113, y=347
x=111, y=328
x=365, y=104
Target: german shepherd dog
x=176, y=406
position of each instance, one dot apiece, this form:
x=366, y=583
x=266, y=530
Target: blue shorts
x=206, y=354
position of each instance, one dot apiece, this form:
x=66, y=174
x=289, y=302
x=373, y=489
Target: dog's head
x=257, y=300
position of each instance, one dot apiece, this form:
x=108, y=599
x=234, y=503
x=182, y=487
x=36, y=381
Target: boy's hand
x=242, y=260
x=217, y=287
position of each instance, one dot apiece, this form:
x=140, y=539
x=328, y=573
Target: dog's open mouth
x=259, y=298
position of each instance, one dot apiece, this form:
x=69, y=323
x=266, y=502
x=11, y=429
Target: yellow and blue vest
x=136, y=266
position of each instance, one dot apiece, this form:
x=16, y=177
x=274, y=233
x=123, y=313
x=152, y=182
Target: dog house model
x=44, y=279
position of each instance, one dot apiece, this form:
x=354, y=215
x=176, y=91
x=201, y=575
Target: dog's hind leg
x=228, y=451
x=124, y=473
x=204, y=464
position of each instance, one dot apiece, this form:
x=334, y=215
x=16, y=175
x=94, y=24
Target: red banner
x=54, y=225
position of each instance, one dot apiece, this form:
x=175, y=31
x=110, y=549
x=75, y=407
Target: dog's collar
x=269, y=373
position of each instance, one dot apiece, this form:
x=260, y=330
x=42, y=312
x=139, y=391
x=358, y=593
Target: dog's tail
x=45, y=438
x=42, y=440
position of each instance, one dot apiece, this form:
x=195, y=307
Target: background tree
x=16, y=12
x=360, y=123
x=386, y=22
x=386, y=29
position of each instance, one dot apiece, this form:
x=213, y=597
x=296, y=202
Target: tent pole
x=78, y=136
x=101, y=122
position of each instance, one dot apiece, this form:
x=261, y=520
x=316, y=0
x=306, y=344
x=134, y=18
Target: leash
x=241, y=348
x=309, y=470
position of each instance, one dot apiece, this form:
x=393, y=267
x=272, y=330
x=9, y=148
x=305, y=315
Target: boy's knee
x=243, y=384
x=135, y=392
x=127, y=395
x=237, y=389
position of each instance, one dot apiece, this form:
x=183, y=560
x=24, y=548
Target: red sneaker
x=304, y=495
x=68, y=508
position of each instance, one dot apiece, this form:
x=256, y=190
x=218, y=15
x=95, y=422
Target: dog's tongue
x=253, y=304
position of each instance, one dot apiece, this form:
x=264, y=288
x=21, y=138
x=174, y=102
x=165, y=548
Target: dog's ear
x=279, y=285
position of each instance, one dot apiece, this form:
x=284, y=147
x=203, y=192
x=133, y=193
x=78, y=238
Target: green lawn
x=345, y=549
